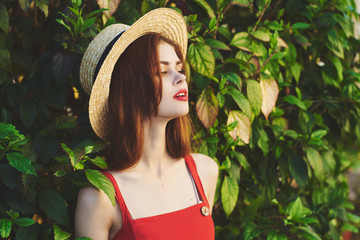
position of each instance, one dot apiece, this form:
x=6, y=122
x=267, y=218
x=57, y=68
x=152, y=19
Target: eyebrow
x=167, y=63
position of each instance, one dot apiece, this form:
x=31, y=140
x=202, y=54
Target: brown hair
x=134, y=96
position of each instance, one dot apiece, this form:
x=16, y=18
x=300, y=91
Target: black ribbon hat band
x=104, y=55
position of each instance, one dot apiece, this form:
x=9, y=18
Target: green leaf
x=296, y=210
x=9, y=130
x=263, y=141
x=259, y=50
x=146, y=6
x=251, y=231
x=43, y=5
x=226, y=164
x=70, y=19
x=241, y=40
x=234, y=78
x=308, y=220
x=25, y=4
x=201, y=59
x=308, y=233
x=225, y=32
x=88, y=149
x=5, y=227
x=339, y=67
x=213, y=43
x=53, y=204
x=95, y=12
x=5, y=60
x=221, y=99
x=294, y=100
x=353, y=218
x=4, y=18
x=229, y=194
x=21, y=163
x=251, y=211
x=99, y=161
x=275, y=235
x=207, y=107
x=76, y=3
x=70, y=153
x=242, y=3
x=296, y=70
x=27, y=233
x=315, y=160
x=13, y=215
x=346, y=25
x=24, y=222
x=100, y=181
x=241, y=159
x=66, y=122
x=329, y=75
x=243, y=126
x=60, y=173
x=212, y=23
x=87, y=24
x=298, y=169
x=60, y=234
x=206, y=7
x=27, y=110
x=335, y=43
x=261, y=35
x=349, y=227
x=255, y=96
x=61, y=22
x=241, y=101
x=300, y=25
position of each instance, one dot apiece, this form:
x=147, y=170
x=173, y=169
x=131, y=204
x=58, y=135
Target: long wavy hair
x=134, y=96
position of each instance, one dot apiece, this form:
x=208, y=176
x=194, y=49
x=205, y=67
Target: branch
x=260, y=17
x=263, y=65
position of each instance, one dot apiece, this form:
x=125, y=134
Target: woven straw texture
x=164, y=21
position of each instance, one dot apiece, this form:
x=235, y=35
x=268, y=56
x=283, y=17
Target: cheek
x=166, y=88
x=158, y=88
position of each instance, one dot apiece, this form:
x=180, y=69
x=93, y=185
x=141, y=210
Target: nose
x=179, y=79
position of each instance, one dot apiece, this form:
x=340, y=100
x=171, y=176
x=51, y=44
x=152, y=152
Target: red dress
x=193, y=222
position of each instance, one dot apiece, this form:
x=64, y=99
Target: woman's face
x=174, y=101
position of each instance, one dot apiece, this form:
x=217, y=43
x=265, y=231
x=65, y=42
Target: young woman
x=139, y=103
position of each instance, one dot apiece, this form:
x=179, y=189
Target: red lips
x=181, y=95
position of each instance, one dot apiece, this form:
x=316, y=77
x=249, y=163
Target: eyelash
x=165, y=72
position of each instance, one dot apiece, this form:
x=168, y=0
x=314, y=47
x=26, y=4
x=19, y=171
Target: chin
x=174, y=115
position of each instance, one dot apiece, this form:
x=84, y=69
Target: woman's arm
x=208, y=171
x=95, y=215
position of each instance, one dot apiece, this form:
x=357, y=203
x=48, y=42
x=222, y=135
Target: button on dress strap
x=193, y=170
x=124, y=210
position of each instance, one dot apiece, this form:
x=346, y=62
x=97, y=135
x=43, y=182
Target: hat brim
x=167, y=22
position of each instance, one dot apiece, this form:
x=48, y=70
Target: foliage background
x=282, y=168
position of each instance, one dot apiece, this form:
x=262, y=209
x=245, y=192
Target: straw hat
x=105, y=49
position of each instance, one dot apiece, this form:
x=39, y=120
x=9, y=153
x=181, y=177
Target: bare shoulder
x=208, y=172
x=94, y=214
x=91, y=198
x=206, y=165
x=90, y=195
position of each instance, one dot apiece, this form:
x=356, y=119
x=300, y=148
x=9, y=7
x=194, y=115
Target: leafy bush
x=275, y=100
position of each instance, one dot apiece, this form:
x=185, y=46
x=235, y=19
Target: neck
x=154, y=156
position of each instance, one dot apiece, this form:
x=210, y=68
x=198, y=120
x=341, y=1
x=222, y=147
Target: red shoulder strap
x=193, y=170
x=124, y=210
